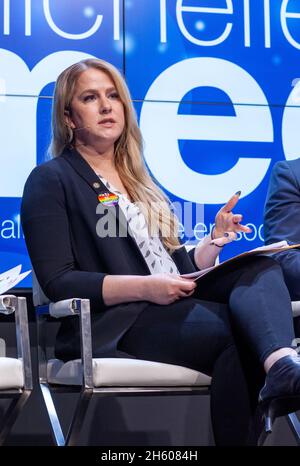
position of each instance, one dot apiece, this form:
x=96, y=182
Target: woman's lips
x=108, y=123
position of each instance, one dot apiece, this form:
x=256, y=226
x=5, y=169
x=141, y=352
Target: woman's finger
x=237, y=218
x=227, y=238
x=230, y=236
x=231, y=203
x=185, y=294
x=187, y=283
x=244, y=228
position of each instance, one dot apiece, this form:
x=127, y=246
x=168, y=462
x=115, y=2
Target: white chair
x=100, y=376
x=15, y=373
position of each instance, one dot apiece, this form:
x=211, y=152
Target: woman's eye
x=89, y=97
x=114, y=95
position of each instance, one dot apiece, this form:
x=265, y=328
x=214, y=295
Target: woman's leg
x=234, y=394
x=259, y=303
x=261, y=316
x=197, y=334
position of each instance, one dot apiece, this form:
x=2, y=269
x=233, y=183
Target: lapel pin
x=108, y=199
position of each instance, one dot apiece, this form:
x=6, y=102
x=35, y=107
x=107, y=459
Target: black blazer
x=59, y=221
x=282, y=209
x=282, y=213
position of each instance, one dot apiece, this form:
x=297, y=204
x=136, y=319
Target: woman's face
x=97, y=113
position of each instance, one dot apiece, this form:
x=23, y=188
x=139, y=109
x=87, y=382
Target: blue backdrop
x=214, y=83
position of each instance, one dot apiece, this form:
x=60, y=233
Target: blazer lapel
x=84, y=170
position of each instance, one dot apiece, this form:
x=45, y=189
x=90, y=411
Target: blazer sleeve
x=46, y=229
x=184, y=260
x=282, y=208
x=191, y=254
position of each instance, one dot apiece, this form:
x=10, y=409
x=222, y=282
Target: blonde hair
x=128, y=149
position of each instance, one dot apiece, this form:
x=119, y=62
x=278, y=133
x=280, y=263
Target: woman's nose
x=105, y=106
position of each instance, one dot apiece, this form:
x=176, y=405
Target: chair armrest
x=296, y=308
x=7, y=304
x=10, y=304
x=65, y=308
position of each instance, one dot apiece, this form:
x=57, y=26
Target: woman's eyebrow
x=95, y=91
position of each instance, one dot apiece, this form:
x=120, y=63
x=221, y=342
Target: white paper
x=11, y=272
x=199, y=273
x=11, y=278
x=263, y=250
x=279, y=244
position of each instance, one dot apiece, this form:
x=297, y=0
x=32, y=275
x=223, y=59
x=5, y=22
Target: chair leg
x=78, y=418
x=294, y=424
x=12, y=413
x=262, y=438
x=57, y=432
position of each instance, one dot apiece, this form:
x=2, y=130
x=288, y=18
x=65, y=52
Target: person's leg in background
x=290, y=264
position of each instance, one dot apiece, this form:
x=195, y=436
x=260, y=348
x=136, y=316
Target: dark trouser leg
x=197, y=334
x=290, y=264
x=233, y=390
x=259, y=302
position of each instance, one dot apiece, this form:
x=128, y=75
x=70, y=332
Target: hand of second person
x=227, y=224
x=165, y=288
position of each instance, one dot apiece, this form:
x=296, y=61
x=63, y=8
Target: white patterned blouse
x=151, y=247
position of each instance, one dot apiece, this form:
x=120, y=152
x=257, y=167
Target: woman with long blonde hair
x=97, y=226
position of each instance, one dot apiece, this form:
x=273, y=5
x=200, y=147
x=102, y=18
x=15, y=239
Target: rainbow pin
x=108, y=199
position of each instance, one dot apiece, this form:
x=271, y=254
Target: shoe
x=281, y=393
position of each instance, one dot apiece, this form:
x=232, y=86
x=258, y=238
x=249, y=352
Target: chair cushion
x=125, y=372
x=11, y=373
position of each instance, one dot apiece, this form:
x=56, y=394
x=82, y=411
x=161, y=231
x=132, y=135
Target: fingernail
x=238, y=193
x=226, y=234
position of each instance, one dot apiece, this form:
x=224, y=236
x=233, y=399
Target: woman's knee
x=221, y=338
x=266, y=262
x=212, y=325
x=263, y=267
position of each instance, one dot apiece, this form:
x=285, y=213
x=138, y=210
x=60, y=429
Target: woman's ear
x=68, y=119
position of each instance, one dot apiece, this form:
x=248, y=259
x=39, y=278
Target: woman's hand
x=227, y=224
x=164, y=288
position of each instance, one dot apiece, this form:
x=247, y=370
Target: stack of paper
x=11, y=278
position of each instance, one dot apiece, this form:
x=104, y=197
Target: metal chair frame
x=17, y=305
x=81, y=308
